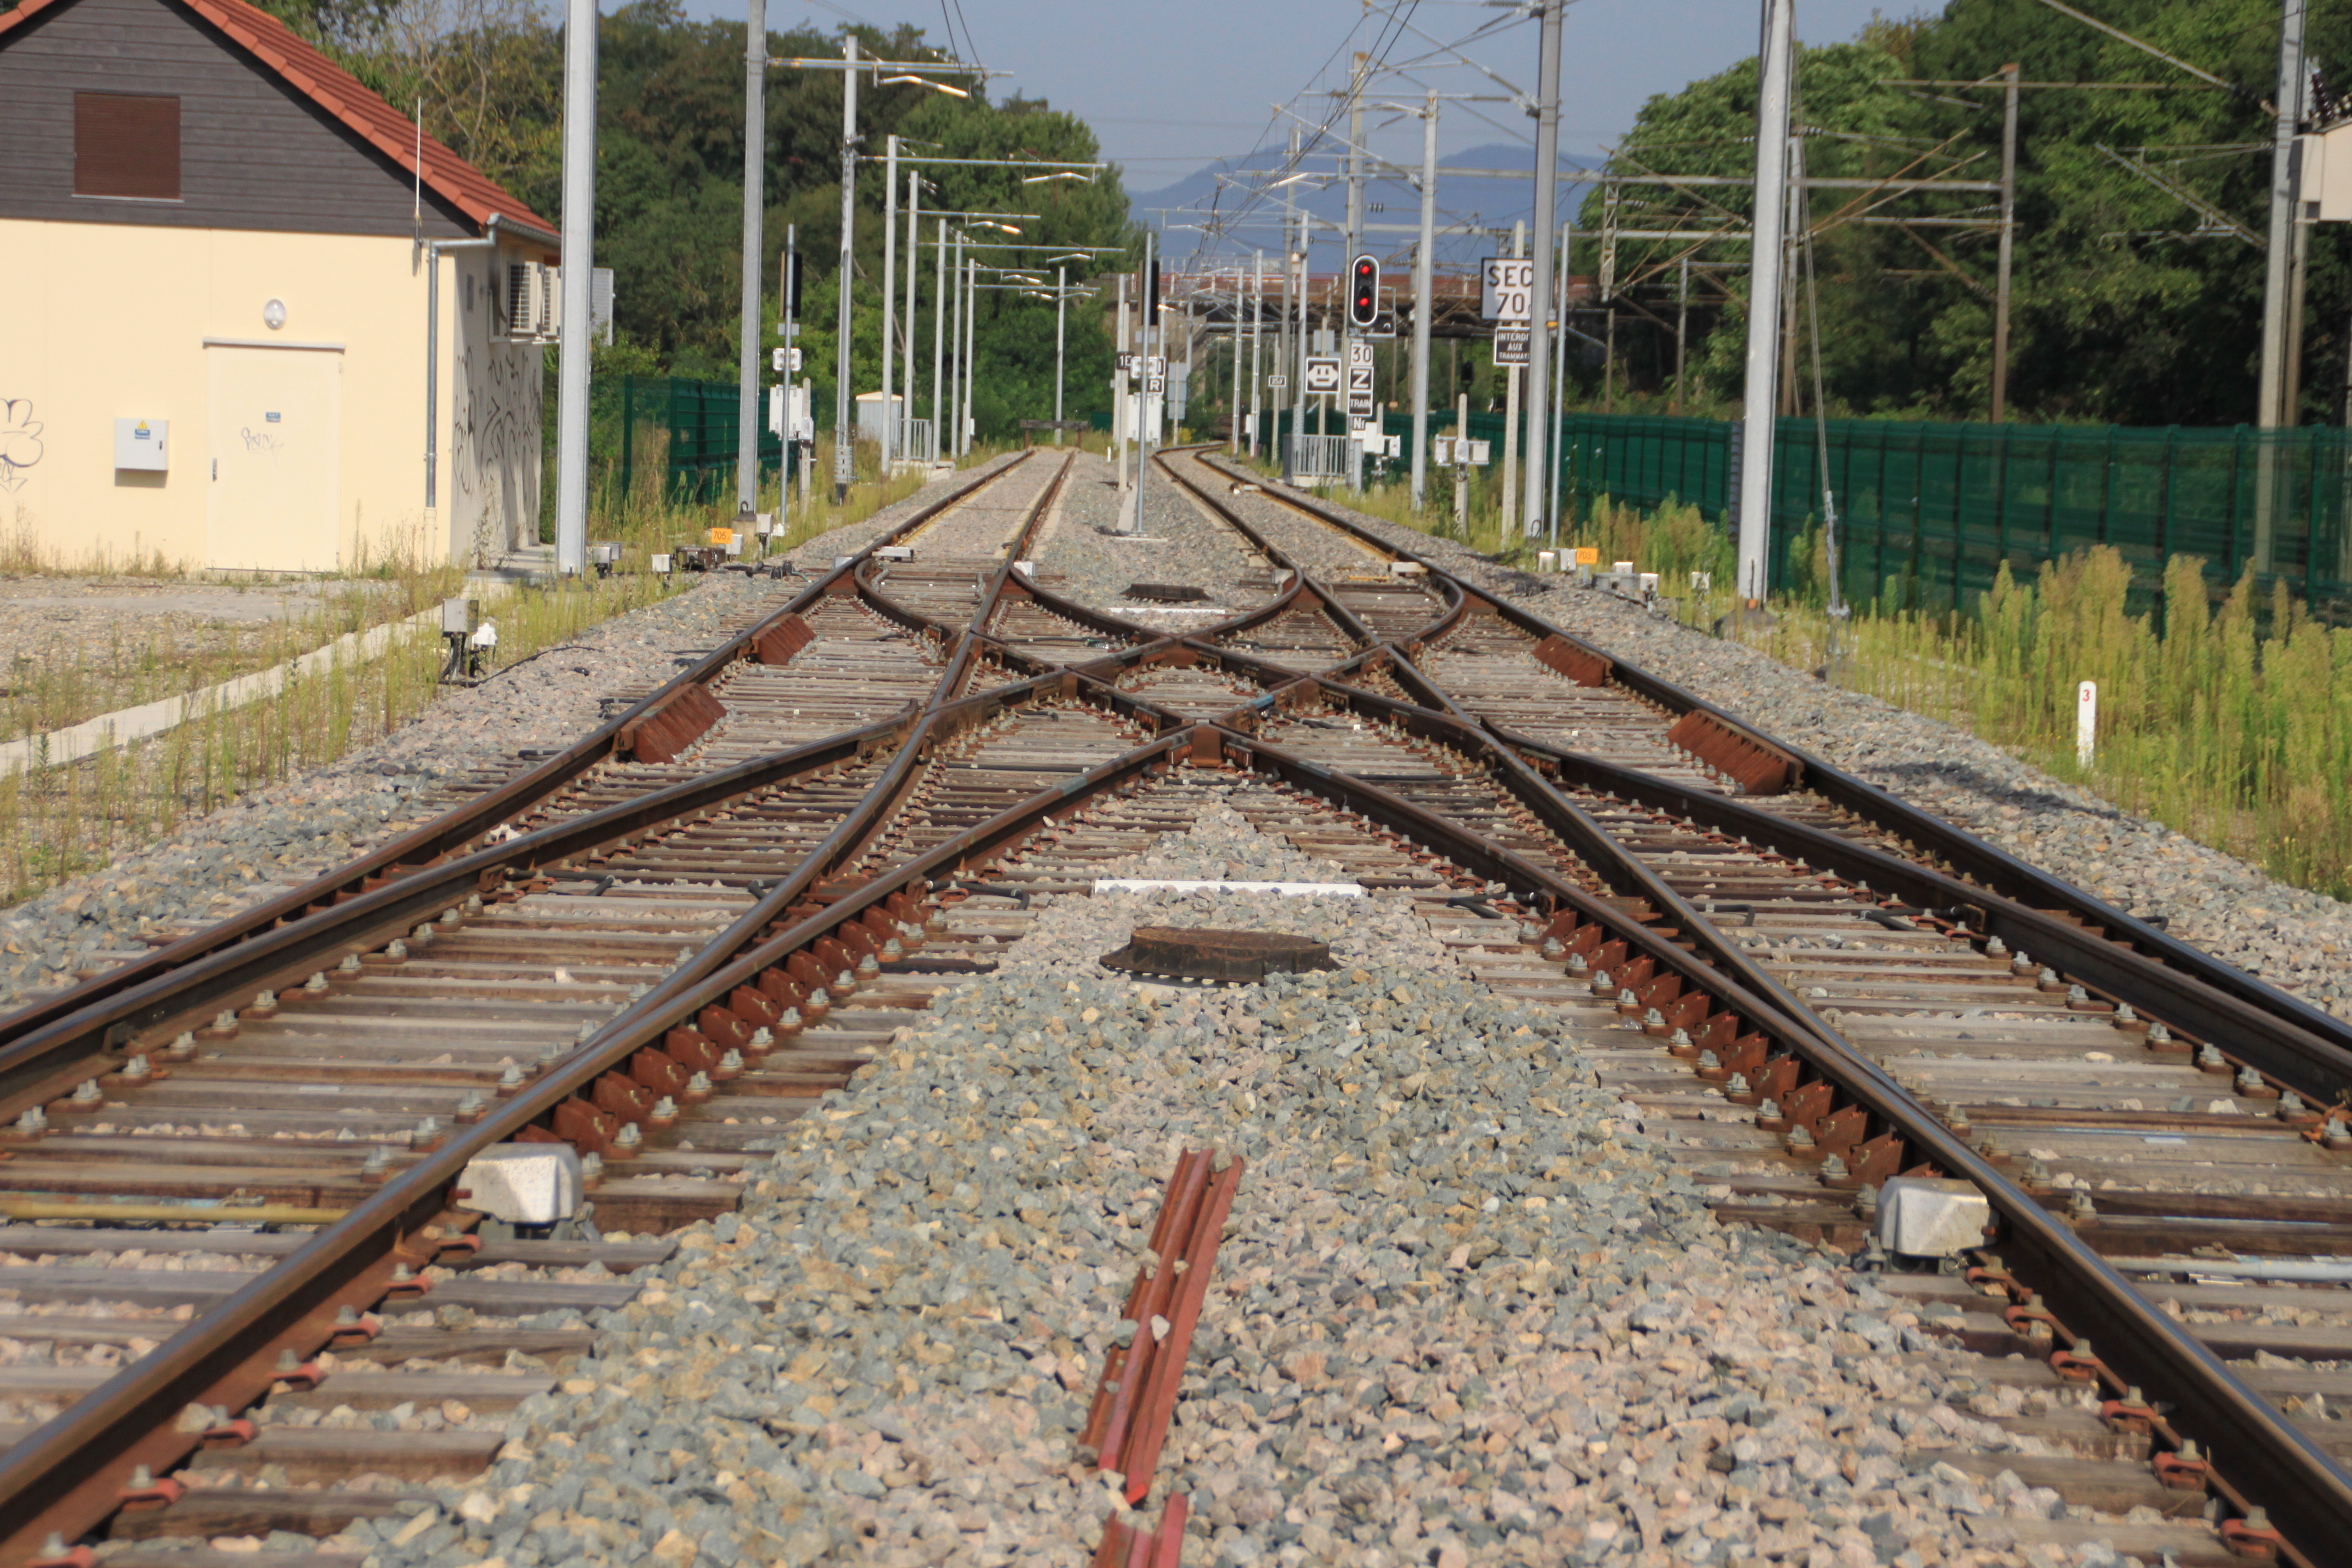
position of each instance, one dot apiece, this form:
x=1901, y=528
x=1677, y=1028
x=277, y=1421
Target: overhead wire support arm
x=2172, y=60
x=2215, y=220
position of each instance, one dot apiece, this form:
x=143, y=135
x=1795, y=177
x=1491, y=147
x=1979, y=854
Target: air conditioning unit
x=531, y=293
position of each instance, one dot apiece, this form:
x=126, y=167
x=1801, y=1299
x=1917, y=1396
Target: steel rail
x=65, y=1474
x=2308, y=1493
x=2261, y=1456
x=226, y=1355
x=41, y=1061
x=1971, y=856
x=453, y=829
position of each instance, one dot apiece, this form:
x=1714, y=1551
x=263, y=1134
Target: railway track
x=669, y=942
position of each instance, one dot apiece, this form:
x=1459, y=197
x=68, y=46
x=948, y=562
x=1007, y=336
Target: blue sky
x=1171, y=87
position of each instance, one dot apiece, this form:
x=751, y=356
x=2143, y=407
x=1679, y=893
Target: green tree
x=2119, y=312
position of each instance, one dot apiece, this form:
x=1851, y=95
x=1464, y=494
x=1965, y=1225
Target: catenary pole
x=1233, y=401
x=1541, y=352
x=1298, y=369
x=914, y=230
x=1258, y=333
x=2008, y=244
x=1147, y=426
x=1421, y=301
x=1355, y=243
x=889, y=277
x=955, y=359
x=939, y=446
x=1121, y=416
x=1559, y=382
x=1509, y=498
x=971, y=350
x=1764, y=291
x=2277, y=259
x=1061, y=341
x=844, y=426
x=579, y=230
x=755, y=164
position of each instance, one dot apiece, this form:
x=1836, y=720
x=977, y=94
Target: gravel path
x=2297, y=940
x=1467, y=1311
x=284, y=834
x=1181, y=546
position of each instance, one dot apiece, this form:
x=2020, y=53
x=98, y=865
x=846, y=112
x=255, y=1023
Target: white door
x=276, y=417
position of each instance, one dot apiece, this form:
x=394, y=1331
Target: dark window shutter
x=127, y=144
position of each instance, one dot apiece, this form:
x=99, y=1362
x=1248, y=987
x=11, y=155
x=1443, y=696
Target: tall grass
x=175, y=653
x=60, y=821
x=2230, y=721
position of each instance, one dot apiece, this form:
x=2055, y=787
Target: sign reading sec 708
x=1506, y=289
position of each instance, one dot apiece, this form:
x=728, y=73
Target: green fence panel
x=1929, y=513
x=694, y=423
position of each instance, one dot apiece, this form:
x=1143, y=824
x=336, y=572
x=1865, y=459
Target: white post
x=1421, y=288
x=1542, y=351
x=579, y=248
x=755, y=161
x=1761, y=415
x=890, y=441
x=2086, y=722
x=844, y=404
x=1061, y=342
x=1462, y=464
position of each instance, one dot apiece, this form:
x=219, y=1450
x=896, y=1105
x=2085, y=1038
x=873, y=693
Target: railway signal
x=1364, y=293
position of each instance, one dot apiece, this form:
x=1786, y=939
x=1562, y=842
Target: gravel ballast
x=2295, y=939
x=1467, y=1310
x=283, y=834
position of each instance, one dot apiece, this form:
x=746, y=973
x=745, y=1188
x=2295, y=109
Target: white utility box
x=140, y=445
x=1923, y=1217
x=461, y=617
x=524, y=1183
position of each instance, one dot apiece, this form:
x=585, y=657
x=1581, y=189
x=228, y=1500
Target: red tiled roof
x=338, y=92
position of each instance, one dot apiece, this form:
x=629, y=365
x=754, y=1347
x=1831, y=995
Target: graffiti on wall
x=20, y=441
x=495, y=442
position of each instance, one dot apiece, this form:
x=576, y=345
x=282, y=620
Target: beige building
x=258, y=322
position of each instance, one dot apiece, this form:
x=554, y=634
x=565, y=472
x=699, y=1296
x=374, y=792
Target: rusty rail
x=450, y=832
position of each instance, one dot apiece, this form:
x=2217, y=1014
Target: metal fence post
x=628, y=438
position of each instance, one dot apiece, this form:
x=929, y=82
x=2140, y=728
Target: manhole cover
x=1200, y=953
x=1167, y=593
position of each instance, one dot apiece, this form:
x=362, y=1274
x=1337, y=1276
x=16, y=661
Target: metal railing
x=1313, y=459
x=918, y=441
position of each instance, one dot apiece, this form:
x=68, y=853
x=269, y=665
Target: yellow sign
x=1588, y=555
x=723, y=537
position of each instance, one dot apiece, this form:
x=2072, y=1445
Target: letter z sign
x=1359, y=379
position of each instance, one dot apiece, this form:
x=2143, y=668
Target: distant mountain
x=1485, y=203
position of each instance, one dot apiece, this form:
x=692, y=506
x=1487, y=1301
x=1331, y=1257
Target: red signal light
x=1364, y=292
